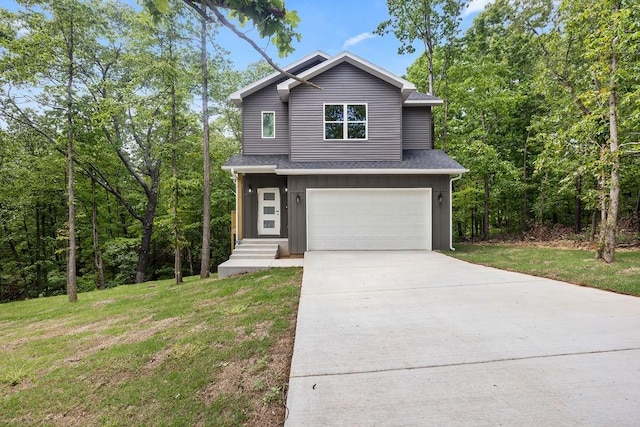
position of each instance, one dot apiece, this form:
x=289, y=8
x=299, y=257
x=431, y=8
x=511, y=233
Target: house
x=348, y=167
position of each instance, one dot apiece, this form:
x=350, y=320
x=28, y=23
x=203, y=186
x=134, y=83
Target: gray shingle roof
x=415, y=96
x=412, y=159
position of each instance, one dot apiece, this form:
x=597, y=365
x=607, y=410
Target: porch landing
x=240, y=266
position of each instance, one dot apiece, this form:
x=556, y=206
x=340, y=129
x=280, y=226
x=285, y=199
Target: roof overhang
x=237, y=96
x=422, y=102
x=405, y=86
x=371, y=171
x=251, y=169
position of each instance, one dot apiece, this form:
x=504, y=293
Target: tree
x=433, y=22
x=206, y=164
x=587, y=49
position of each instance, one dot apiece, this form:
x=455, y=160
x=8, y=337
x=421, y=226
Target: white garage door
x=369, y=218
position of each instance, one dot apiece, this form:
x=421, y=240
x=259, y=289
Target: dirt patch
x=632, y=270
x=99, y=304
x=264, y=381
x=129, y=337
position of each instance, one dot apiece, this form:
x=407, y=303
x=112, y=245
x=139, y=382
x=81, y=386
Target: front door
x=269, y=211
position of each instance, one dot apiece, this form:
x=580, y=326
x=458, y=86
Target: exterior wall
x=346, y=83
x=266, y=99
x=416, y=128
x=250, y=203
x=297, y=211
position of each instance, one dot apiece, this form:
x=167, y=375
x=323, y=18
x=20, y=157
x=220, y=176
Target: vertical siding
x=250, y=203
x=297, y=211
x=266, y=99
x=346, y=84
x=416, y=128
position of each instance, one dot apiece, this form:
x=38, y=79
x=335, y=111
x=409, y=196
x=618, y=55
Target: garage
x=368, y=218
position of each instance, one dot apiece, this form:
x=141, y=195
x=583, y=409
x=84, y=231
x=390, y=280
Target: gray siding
x=416, y=128
x=250, y=203
x=266, y=99
x=346, y=83
x=297, y=211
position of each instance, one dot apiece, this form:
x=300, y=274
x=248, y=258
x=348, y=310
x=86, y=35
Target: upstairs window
x=268, y=124
x=345, y=121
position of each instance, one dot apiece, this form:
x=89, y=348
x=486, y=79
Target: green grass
x=210, y=352
x=569, y=265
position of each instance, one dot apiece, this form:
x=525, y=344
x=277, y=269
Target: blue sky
x=331, y=26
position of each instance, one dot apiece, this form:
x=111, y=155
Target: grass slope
x=569, y=265
x=209, y=352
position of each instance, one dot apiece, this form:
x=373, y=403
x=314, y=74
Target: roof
x=237, y=96
x=417, y=99
x=414, y=162
x=405, y=86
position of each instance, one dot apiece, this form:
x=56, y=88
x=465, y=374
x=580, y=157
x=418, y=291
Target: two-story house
x=348, y=167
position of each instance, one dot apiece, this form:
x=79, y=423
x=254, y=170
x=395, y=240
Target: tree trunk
x=147, y=228
x=39, y=252
x=72, y=290
x=577, y=207
x=177, y=264
x=97, y=253
x=638, y=213
x=485, y=218
x=614, y=190
x=206, y=196
x=525, y=195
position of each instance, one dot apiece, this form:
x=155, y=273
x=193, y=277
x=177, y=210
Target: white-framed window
x=346, y=121
x=268, y=124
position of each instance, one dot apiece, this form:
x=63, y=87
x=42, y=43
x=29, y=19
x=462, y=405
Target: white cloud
x=357, y=39
x=475, y=6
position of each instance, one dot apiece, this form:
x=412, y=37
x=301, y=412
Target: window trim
x=345, y=123
x=262, y=124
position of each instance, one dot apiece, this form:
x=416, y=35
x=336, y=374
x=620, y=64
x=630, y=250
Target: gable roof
x=405, y=86
x=237, y=96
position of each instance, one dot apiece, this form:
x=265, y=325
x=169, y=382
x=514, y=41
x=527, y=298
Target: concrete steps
x=252, y=255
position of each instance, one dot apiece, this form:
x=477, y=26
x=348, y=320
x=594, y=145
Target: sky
x=333, y=26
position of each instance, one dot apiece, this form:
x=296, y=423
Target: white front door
x=269, y=211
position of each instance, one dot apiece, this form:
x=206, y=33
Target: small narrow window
x=345, y=121
x=268, y=124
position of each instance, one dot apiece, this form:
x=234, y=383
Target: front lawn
x=570, y=265
x=208, y=352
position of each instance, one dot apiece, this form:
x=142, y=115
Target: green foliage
x=269, y=17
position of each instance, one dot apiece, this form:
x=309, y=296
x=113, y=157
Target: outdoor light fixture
x=440, y=198
x=298, y=198
x=250, y=190
x=286, y=189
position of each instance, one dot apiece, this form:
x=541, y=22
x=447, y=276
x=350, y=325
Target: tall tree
x=433, y=22
x=206, y=152
x=586, y=46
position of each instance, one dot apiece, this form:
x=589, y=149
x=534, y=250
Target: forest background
x=541, y=104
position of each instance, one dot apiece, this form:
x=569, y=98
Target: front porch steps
x=252, y=255
x=257, y=249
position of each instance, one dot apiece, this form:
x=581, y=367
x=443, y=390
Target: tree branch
x=224, y=21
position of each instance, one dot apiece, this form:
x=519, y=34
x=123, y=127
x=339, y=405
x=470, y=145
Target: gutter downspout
x=451, y=211
x=234, y=177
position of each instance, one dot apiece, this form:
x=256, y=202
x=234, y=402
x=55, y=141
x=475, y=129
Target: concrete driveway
x=418, y=338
